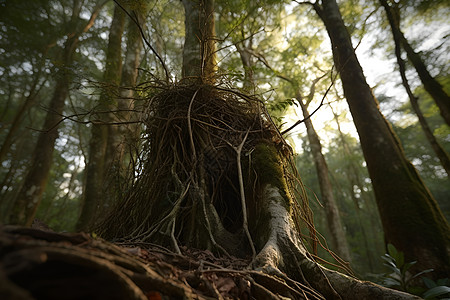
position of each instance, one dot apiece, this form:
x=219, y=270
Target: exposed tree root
x=39, y=264
x=284, y=254
x=218, y=176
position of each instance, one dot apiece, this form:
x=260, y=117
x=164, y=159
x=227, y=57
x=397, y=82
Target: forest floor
x=38, y=263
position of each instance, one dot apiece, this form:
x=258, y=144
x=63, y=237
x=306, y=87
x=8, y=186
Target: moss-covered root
x=282, y=251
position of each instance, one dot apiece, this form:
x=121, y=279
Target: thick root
x=283, y=253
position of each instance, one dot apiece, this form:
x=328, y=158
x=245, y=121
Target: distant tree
x=29, y=196
x=97, y=168
x=431, y=85
x=437, y=148
x=412, y=220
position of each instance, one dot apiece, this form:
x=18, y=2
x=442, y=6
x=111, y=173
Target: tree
x=431, y=85
x=411, y=218
x=97, y=167
x=29, y=196
x=216, y=176
x=199, y=51
x=440, y=152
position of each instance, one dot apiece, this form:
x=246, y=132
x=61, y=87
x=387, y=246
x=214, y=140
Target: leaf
x=443, y=281
x=392, y=250
x=406, y=266
x=429, y=283
x=421, y=273
x=436, y=291
x=391, y=282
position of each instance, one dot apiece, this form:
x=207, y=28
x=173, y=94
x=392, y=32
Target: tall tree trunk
x=199, y=52
x=353, y=178
x=30, y=194
x=431, y=85
x=97, y=168
x=338, y=239
x=412, y=220
x=438, y=150
x=123, y=139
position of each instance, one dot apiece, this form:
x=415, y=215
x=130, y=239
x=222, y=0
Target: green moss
x=269, y=169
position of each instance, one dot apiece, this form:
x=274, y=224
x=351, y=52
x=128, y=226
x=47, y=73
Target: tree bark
x=337, y=233
x=412, y=220
x=97, y=167
x=199, y=52
x=397, y=35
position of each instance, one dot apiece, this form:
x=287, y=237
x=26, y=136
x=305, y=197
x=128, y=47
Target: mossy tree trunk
x=412, y=220
x=225, y=186
x=199, y=52
x=30, y=194
x=97, y=166
x=437, y=148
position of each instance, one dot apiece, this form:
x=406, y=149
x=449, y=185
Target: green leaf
x=392, y=250
x=406, y=266
x=429, y=283
x=436, y=291
x=397, y=255
x=421, y=273
x=391, y=282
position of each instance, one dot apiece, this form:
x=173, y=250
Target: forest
x=224, y=149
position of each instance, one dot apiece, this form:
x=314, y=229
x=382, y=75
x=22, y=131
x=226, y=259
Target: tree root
x=283, y=254
x=39, y=264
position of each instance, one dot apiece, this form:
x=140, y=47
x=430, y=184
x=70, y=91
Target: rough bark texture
x=30, y=194
x=98, y=165
x=199, y=52
x=437, y=148
x=337, y=233
x=412, y=220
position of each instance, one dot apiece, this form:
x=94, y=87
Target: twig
x=238, y=150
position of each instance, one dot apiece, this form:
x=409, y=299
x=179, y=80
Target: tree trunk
x=412, y=220
x=353, y=177
x=438, y=150
x=123, y=140
x=95, y=192
x=199, y=52
x=337, y=233
x=248, y=64
x=30, y=194
x=431, y=85
x=29, y=100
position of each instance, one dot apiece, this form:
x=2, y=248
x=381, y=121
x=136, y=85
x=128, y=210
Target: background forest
x=80, y=71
